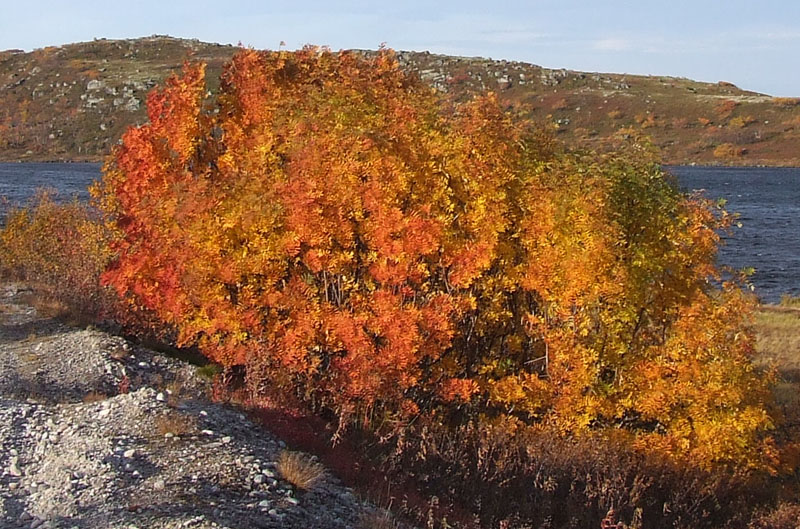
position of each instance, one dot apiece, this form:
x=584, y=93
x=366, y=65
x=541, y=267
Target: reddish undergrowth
x=348, y=459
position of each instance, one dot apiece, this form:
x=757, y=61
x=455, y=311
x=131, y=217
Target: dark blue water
x=19, y=181
x=767, y=199
x=768, y=203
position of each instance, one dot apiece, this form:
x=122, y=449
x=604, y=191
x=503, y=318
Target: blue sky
x=755, y=45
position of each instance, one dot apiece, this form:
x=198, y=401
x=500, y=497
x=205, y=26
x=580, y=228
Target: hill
x=73, y=102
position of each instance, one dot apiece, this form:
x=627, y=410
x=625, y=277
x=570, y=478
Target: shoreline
x=665, y=164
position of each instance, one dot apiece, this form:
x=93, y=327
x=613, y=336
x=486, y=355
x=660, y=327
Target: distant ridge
x=73, y=102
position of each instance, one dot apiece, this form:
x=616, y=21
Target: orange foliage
x=741, y=122
x=726, y=106
x=61, y=250
x=334, y=226
x=728, y=150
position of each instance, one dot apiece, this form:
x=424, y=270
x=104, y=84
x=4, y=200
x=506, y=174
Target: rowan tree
x=343, y=231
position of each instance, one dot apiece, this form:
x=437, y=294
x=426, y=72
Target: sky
x=755, y=45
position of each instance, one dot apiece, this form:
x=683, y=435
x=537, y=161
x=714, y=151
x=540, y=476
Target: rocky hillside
x=73, y=102
x=96, y=432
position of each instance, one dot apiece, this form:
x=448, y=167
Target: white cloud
x=612, y=44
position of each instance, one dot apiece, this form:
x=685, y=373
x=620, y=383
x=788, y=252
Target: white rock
x=129, y=453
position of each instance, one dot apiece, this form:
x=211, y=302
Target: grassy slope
x=73, y=102
x=778, y=344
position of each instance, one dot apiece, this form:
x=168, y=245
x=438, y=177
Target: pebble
x=121, y=467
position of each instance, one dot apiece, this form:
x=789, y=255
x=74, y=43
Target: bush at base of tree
x=60, y=250
x=346, y=233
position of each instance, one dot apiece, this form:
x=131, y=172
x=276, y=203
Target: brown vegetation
x=175, y=424
x=49, y=112
x=728, y=151
x=300, y=469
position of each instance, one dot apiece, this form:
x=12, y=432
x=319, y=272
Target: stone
x=14, y=470
x=129, y=453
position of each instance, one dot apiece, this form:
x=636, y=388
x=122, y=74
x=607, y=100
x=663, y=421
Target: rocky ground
x=99, y=433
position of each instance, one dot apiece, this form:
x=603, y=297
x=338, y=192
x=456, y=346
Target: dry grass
x=300, y=470
x=94, y=396
x=176, y=424
x=377, y=519
x=778, y=345
x=778, y=339
x=175, y=390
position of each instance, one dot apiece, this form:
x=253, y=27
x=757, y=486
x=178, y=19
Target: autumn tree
x=344, y=232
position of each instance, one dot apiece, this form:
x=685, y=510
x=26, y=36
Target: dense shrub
x=344, y=232
x=60, y=249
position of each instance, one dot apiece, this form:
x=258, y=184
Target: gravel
x=96, y=432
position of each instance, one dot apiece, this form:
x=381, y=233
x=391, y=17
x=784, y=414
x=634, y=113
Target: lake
x=767, y=200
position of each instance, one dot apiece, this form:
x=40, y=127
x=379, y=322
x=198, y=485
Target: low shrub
x=522, y=477
x=729, y=151
x=785, y=516
x=786, y=101
x=60, y=249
